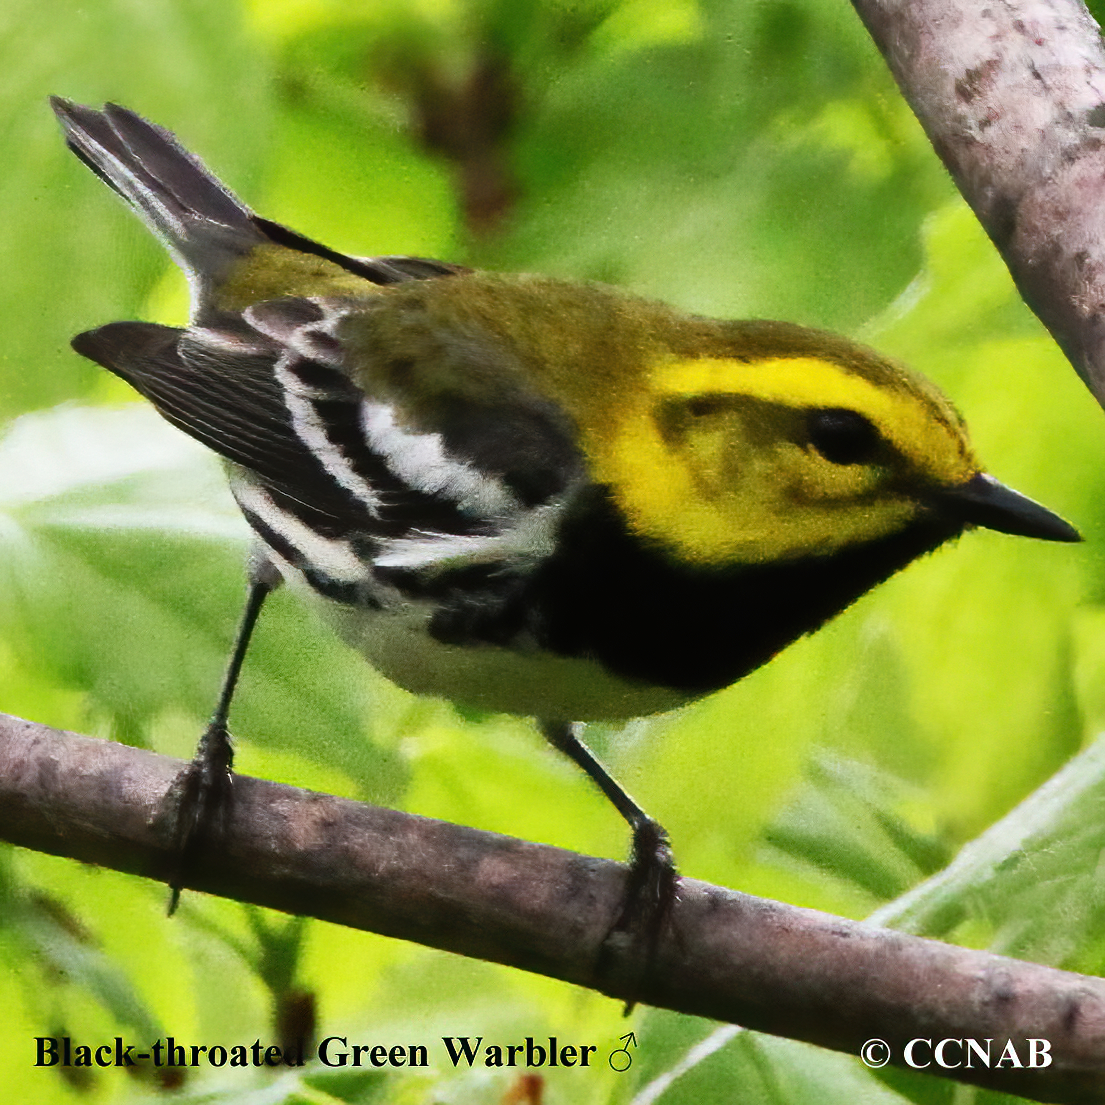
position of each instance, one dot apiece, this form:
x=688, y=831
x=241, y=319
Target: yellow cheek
x=714, y=499
x=662, y=497
x=713, y=462
x=812, y=480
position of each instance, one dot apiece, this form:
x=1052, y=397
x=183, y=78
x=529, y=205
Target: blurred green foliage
x=735, y=158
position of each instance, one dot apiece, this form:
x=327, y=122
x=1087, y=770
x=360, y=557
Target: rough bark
x=1012, y=96
x=765, y=965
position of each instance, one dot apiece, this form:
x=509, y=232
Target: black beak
x=982, y=501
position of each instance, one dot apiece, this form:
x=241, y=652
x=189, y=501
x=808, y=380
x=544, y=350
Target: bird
x=543, y=497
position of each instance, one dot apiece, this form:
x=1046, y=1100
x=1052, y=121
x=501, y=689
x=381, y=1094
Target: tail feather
x=180, y=172
x=208, y=231
x=203, y=225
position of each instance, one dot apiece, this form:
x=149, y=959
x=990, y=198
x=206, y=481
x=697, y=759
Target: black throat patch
x=610, y=596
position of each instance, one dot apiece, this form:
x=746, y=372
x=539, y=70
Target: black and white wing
x=339, y=483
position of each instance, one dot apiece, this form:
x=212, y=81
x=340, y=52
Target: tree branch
x=1012, y=96
x=793, y=972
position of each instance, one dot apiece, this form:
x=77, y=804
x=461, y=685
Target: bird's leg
x=650, y=889
x=199, y=800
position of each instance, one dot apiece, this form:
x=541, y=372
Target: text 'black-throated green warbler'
x=523, y=494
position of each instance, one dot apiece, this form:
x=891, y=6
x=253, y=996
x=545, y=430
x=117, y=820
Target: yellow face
x=729, y=461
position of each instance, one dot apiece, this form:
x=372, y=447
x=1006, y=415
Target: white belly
x=532, y=684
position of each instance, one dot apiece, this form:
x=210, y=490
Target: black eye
x=842, y=436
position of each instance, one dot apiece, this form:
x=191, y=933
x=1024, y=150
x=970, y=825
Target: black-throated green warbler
x=554, y=499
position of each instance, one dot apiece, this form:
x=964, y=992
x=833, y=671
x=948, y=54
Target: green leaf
x=73, y=258
x=1030, y=881
x=848, y=820
x=117, y=527
x=726, y=1064
x=64, y=950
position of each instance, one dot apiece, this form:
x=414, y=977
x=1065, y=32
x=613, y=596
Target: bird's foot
x=628, y=952
x=196, y=809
